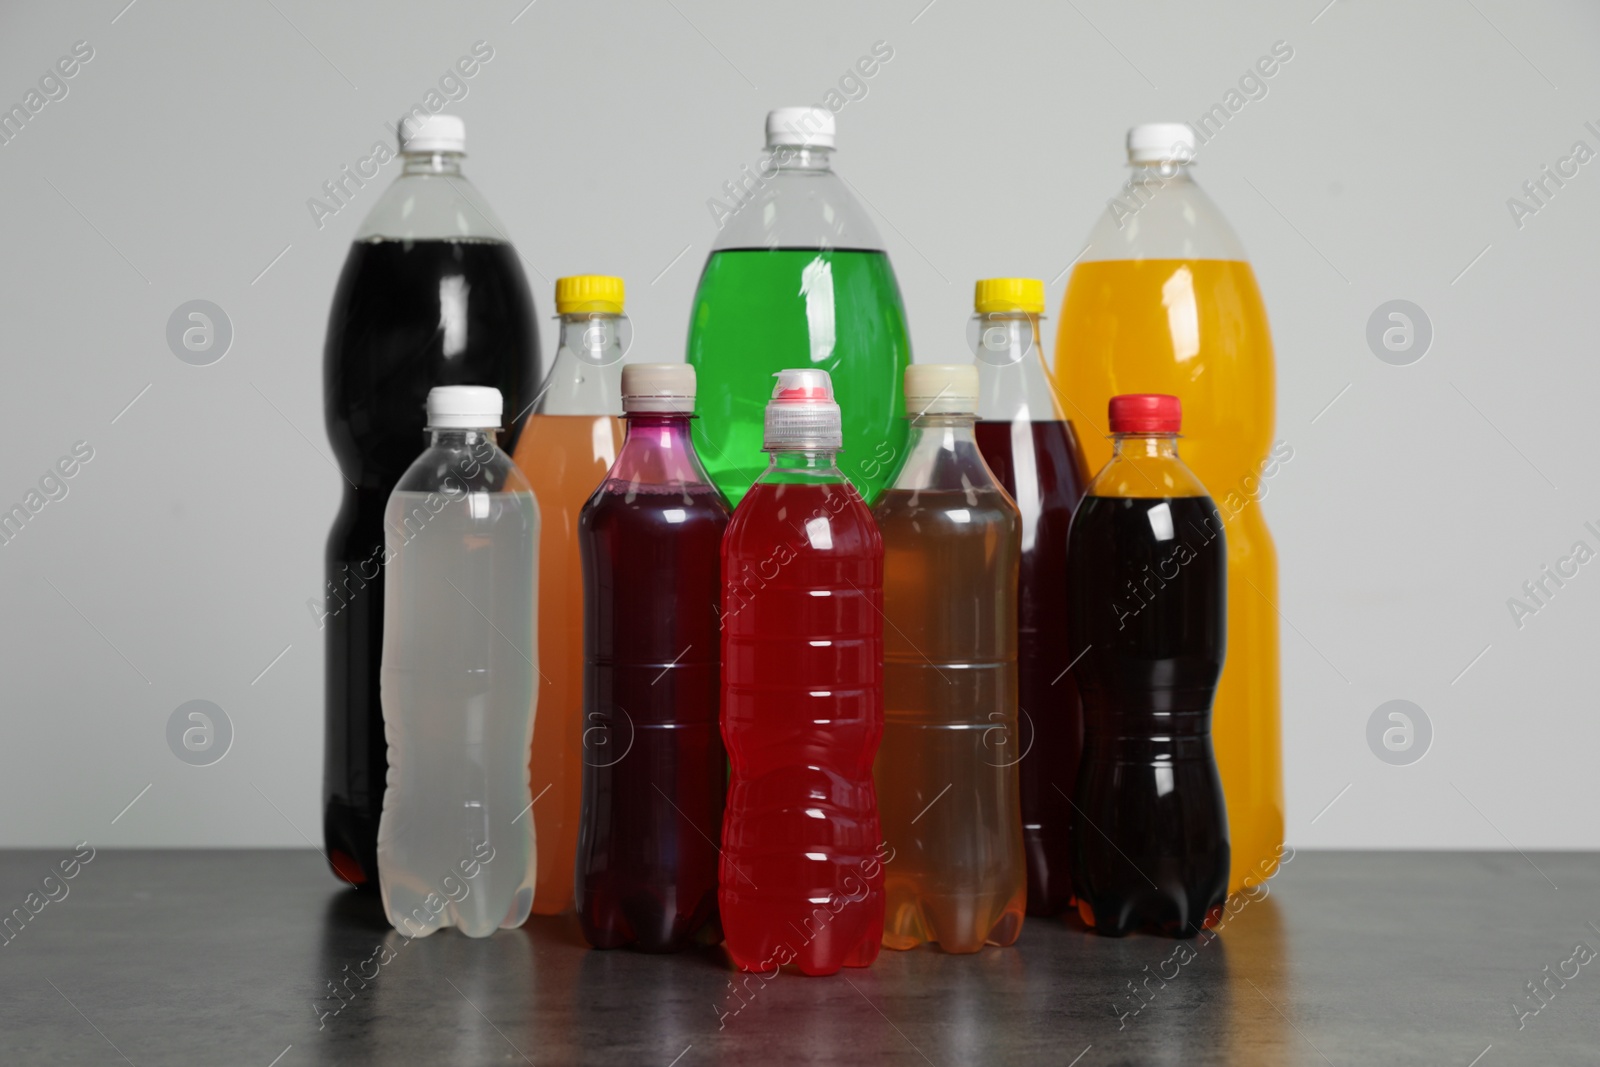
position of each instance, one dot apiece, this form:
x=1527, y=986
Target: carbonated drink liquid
x=654, y=773
x=947, y=770
x=1034, y=453
x=1164, y=301
x=568, y=443
x=801, y=878
x=1147, y=561
x=455, y=847
x=799, y=265
x=431, y=294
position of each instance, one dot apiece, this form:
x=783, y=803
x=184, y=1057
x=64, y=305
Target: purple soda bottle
x=653, y=765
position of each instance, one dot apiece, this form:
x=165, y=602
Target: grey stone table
x=185, y=957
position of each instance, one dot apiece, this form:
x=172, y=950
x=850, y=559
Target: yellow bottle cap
x=599, y=293
x=1009, y=294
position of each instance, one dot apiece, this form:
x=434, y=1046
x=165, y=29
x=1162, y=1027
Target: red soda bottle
x=802, y=701
x=653, y=766
x=1147, y=570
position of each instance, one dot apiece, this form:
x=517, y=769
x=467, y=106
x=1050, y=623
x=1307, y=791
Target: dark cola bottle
x=432, y=294
x=1147, y=585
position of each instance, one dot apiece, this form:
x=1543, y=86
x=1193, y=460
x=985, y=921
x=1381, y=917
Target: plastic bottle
x=431, y=294
x=568, y=443
x=1147, y=564
x=799, y=265
x=654, y=772
x=801, y=878
x=947, y=769
x=1034, y=453
x=1165, y=302
x=455, y=847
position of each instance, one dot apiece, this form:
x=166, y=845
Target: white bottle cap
x=658, y=387
x=436, y=133
x=1161, y=142
x=464, y=407
x=809, y=127
x=941, y=389
x=802, y=415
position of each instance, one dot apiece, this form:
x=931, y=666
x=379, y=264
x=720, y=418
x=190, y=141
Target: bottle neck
x=941, y=428
x=801, y=460
x=800, y=466
x=452, y=437
x=1144, y=445
x=1013, y=382
x=942, y=454
x=655, y=430
x=789, y=157
x=586, y=376
x=1166, y=170
x=592, y=337
x=444, y=164
x=677, y=422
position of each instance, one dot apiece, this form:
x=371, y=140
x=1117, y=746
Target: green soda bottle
x=798, y=277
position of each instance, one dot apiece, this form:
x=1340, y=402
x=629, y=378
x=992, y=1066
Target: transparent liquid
x=947, y=774
x=455, y=844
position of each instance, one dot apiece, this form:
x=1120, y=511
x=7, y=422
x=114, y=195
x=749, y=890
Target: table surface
x=226, y=957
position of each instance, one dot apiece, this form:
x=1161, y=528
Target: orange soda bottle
x=567, y=445
x=1164, y=301
x=948, y=782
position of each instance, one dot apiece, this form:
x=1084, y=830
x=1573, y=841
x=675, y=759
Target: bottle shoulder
x=816, y=518
x=974, y=511
x=1152, y=217
x=795, y=209
x=944, y=458
x=1144, y=477
x=431, y=207
x=618, y=499
x=473, y=468
x=578, y=386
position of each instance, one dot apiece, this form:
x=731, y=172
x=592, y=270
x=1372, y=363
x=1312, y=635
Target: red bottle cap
x=1145, y=413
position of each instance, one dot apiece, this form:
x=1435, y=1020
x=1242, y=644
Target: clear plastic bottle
x=432, y=293
x=799, y=265
x=653, y=766
x=568, y=442
x=1034, y=453
x=1147, y=562
x=947, y=769
x=1164, y=301
x=462, y=534
x=801, y=880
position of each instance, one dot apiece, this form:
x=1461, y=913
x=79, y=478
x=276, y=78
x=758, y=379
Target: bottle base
x=813, y=941
x=1049, y=887
x=646, y=928
x=351, y=842
x=951, y=926
x=1167, y=917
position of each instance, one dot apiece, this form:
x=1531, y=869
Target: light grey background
x=1377, y=167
